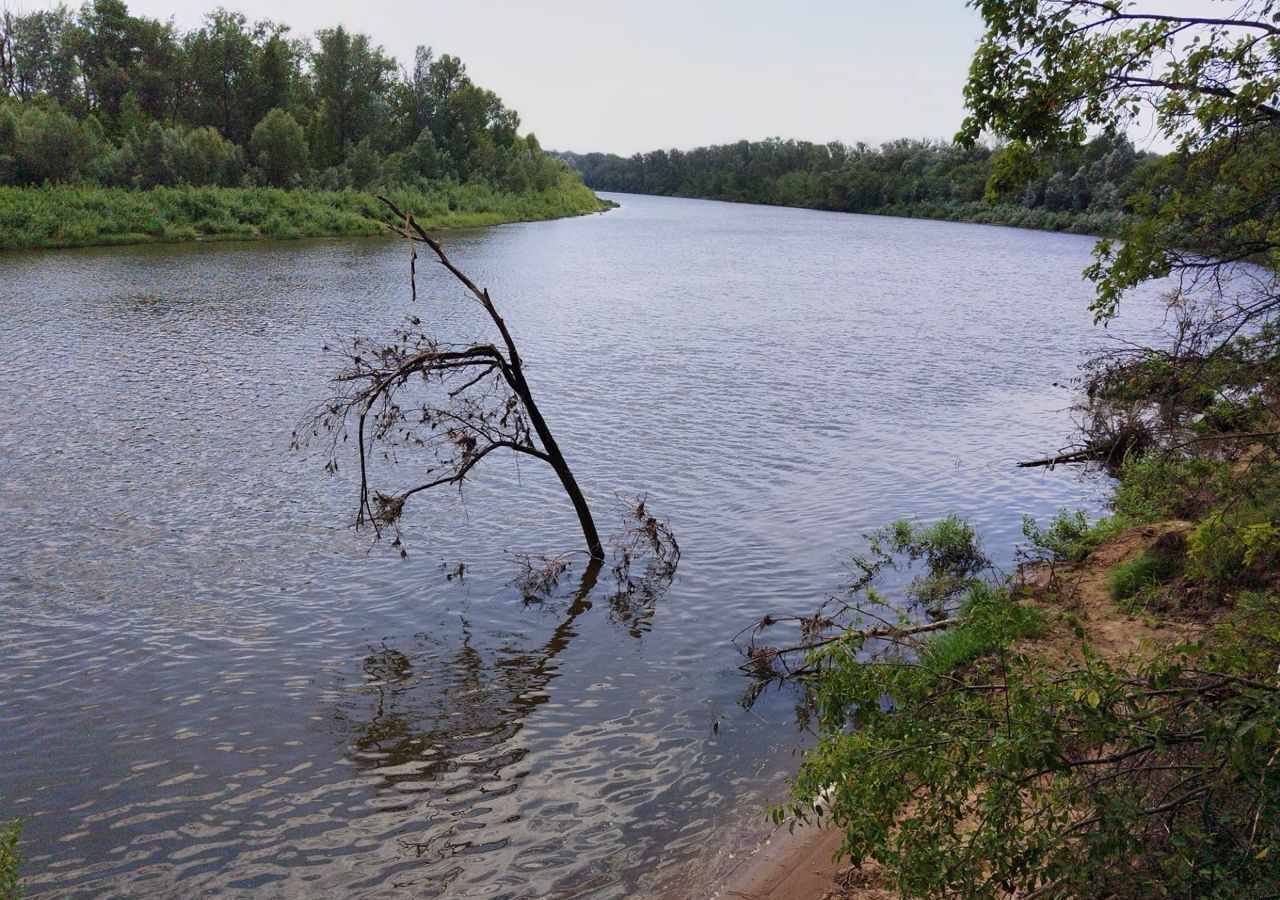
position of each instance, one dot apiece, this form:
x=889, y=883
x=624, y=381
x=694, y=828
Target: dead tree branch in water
x=455, y=403
x=949, y=569
x=645, y=554
x=644, y=538
x=1110, y=451
x=764, y=660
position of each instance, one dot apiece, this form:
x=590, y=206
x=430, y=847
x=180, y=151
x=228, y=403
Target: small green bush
x=11, y=887
x=1226, y=549
x=1162, y=486
x=1068, y=537
x=1231, y=415
x=1143, y=572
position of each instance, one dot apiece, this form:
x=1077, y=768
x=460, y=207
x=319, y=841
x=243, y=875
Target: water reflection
x=439, y=715
x=433, y=704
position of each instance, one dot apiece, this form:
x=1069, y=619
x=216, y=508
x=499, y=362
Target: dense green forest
x=1082, y=191
x=106, y=99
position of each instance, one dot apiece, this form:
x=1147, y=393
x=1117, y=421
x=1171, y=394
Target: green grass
x=990, y=620
x=11, y=886
x=64, y=216
x=1141, y=573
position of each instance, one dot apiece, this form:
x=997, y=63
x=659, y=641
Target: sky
x=627, y=77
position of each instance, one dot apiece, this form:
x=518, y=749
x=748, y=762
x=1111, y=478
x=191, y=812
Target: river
x=210, y=683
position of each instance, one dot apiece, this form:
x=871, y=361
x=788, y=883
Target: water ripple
x=210, y=683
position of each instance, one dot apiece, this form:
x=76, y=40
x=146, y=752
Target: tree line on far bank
x=100, y=96
x=1083, y=191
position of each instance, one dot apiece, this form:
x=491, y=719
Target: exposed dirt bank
x=799, y=866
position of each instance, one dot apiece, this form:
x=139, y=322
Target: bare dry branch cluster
x=454, y=404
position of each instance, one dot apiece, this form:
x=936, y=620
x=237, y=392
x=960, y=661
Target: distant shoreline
x=975, y=213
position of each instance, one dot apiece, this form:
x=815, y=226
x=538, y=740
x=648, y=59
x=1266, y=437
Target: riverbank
x=1105, y=223
x=1088, y=627
x=799, y=864
x=84, y=216
x=1082, y=193
x=1098, y=708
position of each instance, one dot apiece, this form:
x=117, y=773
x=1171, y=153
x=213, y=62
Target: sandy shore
x=797, y=865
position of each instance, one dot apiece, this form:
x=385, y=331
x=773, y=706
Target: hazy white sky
x=624, y=77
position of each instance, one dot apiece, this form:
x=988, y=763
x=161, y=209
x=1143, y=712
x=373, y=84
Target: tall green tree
x=222, y=61
x=350, y=76
x=119, y=54
x=278, y=73
x=104, y=43
x=43, y=61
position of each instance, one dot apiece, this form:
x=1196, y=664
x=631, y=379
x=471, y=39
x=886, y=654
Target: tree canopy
x=136, y=95
x=1048, y=73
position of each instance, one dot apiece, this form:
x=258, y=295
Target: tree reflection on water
x=436, y=715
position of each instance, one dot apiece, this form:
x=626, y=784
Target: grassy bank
x=65, y=216
x=1105, y=722
x=1102, y=222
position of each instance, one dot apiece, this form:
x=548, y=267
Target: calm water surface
x=210, y=684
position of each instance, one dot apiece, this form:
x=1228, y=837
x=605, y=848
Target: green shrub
x=278, y=146
x=1162, y=486
x=1227, y=549
x=50, y=146
x=11, y=887
x=204, y=157
x=1232, y=415
x=983, y=772
x=1068, y=537
x=1143, y=572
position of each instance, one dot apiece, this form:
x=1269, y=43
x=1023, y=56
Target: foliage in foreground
x=85, y=216
x=969, y=763
x=1003, y=774
x=11, y=887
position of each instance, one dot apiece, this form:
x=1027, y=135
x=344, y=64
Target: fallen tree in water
x=950, y=565
x=455, y=403
x=1110, y=452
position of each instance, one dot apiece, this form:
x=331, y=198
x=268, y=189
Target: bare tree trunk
x=513, y=371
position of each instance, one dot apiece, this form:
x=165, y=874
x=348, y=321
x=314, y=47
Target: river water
x=210, y=683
